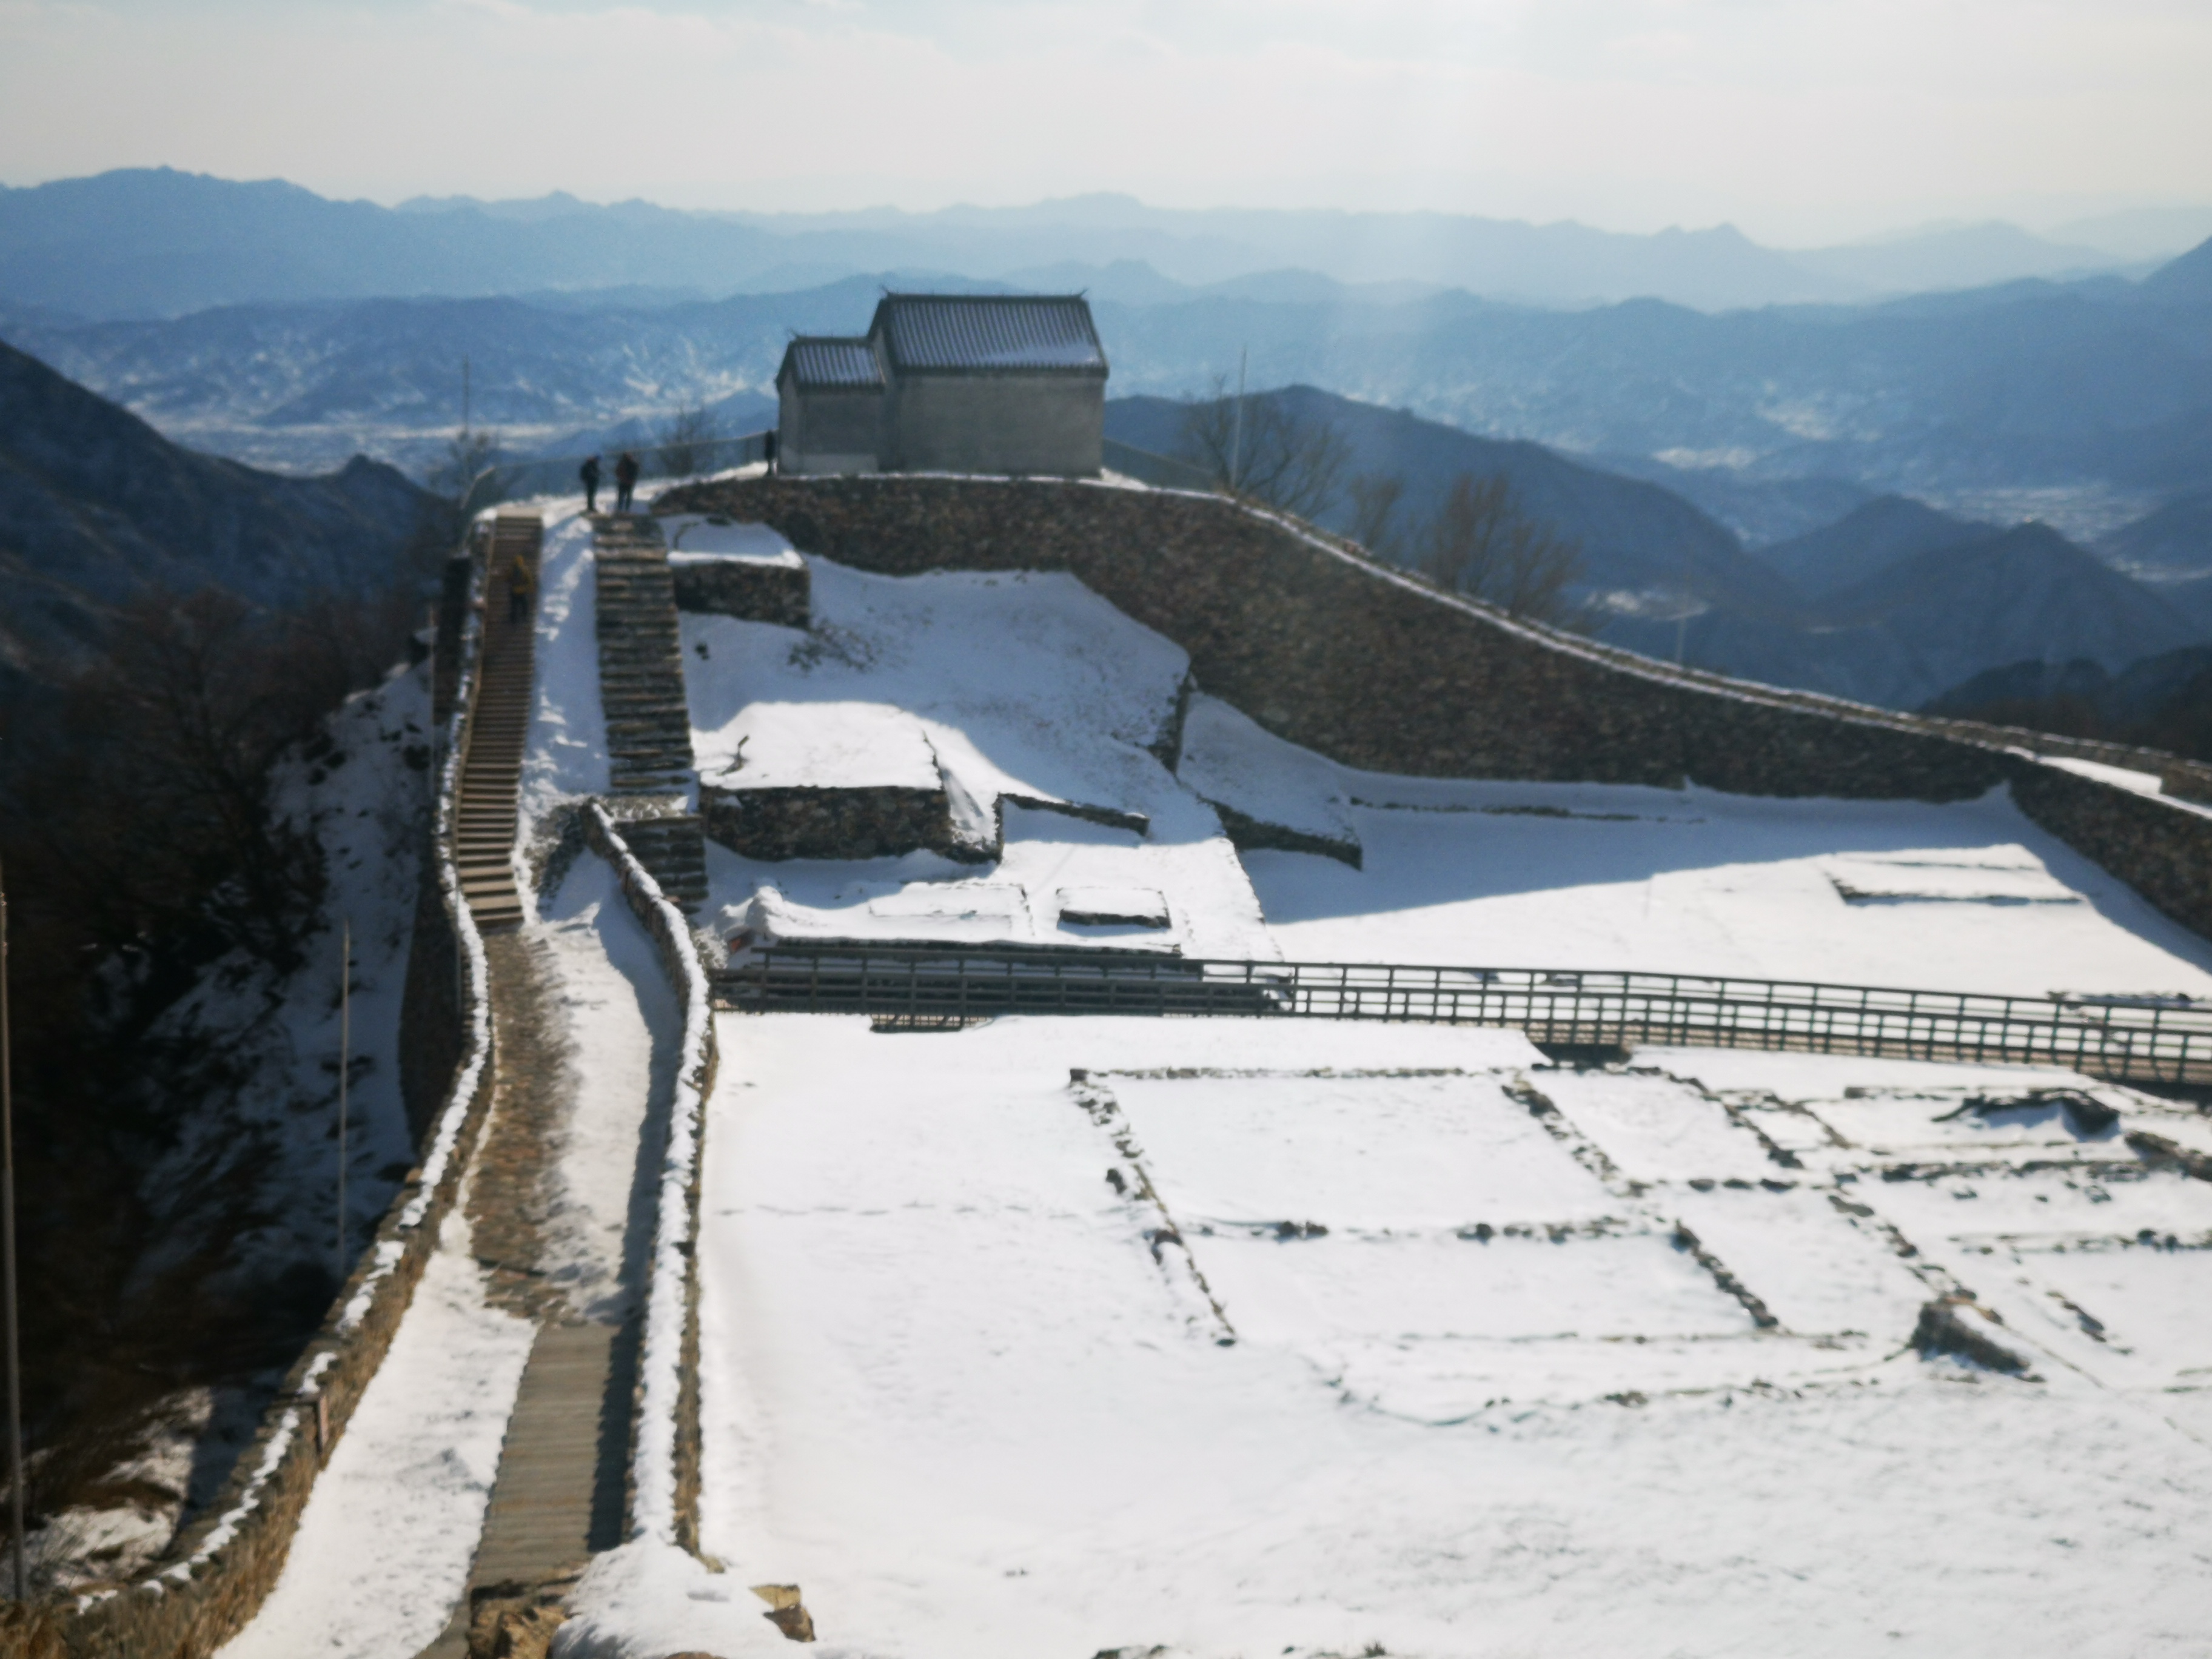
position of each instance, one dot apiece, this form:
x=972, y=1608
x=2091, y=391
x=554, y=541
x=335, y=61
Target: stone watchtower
x=950, y=383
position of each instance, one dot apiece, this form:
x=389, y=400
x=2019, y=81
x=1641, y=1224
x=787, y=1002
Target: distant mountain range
x=97, y=508
x=1829, y=486
x=2086, y=404
x=143, y=243
x=1893, y=603
x=1922, y=624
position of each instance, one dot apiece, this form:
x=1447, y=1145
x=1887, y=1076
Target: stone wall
x=1053, y=424
x=1355, y=661
x=752, y=590
x=1377, y=671
x=828, y=823
x=2161, y=850
x=666, y=1458
x=830, y=430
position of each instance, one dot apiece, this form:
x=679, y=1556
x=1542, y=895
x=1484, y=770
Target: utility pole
x=1236, y=431
x=345, y=1065
x=8, y=1268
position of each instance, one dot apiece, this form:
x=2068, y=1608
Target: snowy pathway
x=383, y=1548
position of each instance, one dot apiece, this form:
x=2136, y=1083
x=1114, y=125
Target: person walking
x=519, y=582
x=625, y=481
x=589, y=472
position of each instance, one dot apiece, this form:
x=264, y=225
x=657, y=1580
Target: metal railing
x=2150, y=1040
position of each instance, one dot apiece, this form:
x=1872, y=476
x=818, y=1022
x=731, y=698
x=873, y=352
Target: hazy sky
x=1799, y=120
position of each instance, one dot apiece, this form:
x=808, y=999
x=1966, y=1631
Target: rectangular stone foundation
x=829, y=823
x=752, y=590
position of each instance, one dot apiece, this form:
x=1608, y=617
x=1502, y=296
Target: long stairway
x=648, y=722
x=491, y=770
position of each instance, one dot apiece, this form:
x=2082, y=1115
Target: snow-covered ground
x=1484, y=1396
x=1227, y=1337
x=1302, y=1338
x=251, y=1182
x=384, y=1549
x=1016, y=688
x=1036, y=706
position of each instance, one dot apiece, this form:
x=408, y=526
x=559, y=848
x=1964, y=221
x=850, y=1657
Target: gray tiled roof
x=983, y=332
x=821, y=359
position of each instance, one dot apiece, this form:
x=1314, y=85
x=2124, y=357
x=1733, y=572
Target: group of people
x=626, y=470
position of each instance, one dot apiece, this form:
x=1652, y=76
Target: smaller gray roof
x=826, y=360
x=987, y=333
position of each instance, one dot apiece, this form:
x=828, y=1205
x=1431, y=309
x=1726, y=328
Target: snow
x=1696, y=881
x=1816, y=1272
x=383, y=1548
x=566, y=756
x=1369, y=1153
x=843, y=745
x=1062, y=711
x=695, y=539
x=624, y=1022
x=950, y=1391
x=666, y=1292
x=650, y=1598
x=1058, y=707
x=1509, y=1357
x=1111, y=907
x=1229, y=759
x=1197, y=882
x=2124, y=777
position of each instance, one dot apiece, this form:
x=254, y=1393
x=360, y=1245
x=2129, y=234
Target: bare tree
x=459, y=475
x=1376, y=497
x=1260, y=447
x=1481, y=543
x=687, y=441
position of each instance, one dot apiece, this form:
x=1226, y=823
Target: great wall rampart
x=1380, y=672
x=1322, y=646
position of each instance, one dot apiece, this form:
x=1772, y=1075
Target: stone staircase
x=491, y=769
x=652, y=774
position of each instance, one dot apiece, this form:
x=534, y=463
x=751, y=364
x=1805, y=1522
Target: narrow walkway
x=648, y=721
x=559, y=1494
x=492, y=770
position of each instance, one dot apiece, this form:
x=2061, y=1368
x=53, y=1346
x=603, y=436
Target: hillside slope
x=1926, y=624
x=1892, y=605
x=1864, y=543
x=96, y=507
x=1635, y=536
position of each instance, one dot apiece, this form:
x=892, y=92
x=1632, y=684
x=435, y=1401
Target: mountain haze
x=155, y=242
